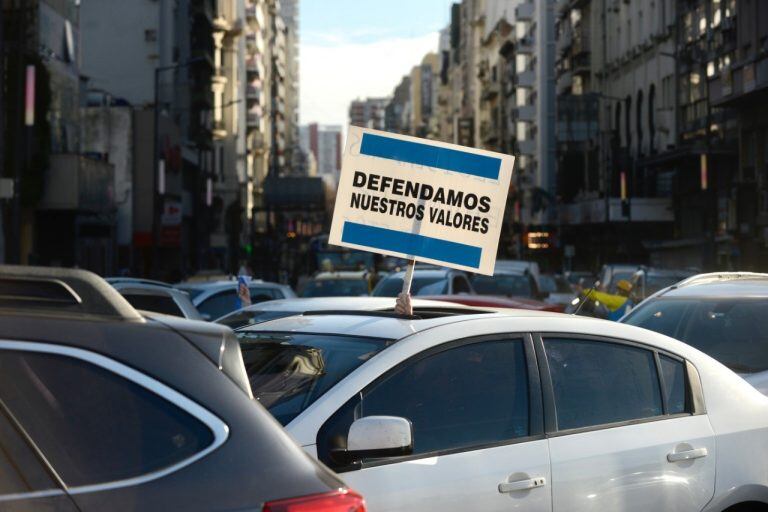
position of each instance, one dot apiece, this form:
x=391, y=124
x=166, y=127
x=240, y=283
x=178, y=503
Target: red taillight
x=336, y=501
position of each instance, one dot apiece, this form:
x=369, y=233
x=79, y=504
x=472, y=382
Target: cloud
x=333, y=75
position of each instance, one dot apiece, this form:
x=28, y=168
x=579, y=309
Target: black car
x=104, y=409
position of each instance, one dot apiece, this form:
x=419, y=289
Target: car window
x=288, y=371
x=470, y=395
x=597, y=383
x=673, y=375
x=92, y=425
x=733, y=330
x=335, y=288
x=510, y=284
x=20, y=470
x=461, y=285
x=157, y=303
x=421, y=285
x=219, y=304
x=264, y=294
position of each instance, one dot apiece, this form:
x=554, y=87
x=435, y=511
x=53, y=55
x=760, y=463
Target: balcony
x=253, y=118
x=253, y=92
x=642, y=209
x=526, y=79
x=254, y=15
x=74, y=182
x=525, y=11
x=490, y=90
x=219, y=130
x=254, y=67
x=564, y=40
x=582, y=63
x=254, y=41
x=564, y=81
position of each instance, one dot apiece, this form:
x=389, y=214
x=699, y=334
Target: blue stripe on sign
x=430, y=156
x=411, y=244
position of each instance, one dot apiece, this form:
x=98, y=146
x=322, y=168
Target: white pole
x=408, y=277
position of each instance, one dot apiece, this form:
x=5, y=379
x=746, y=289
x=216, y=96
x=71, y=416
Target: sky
x=360, y=48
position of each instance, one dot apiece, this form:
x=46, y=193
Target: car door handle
x=696, y=453
x=522, y=485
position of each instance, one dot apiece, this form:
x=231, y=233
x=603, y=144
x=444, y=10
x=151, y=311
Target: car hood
x=759, y=380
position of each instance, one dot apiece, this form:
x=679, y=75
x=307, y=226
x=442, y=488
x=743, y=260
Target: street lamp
x=157, y=192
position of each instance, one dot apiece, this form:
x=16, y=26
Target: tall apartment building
x=397, y=117
x=425, y=80
x=368, y=113
x=324, y=143
x=289, y=11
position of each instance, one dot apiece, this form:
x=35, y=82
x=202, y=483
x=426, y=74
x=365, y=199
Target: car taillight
x=335, y=501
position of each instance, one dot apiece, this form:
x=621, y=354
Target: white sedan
x=530, y=411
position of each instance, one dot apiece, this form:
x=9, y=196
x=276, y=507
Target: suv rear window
x=288, y=371
x=156, y=303
x=95, y=426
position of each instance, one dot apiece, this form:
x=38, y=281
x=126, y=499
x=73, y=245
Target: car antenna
x=581, y=305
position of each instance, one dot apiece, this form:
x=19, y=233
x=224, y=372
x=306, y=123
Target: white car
x=215, y=299
x=426, y=281
x=530, y=411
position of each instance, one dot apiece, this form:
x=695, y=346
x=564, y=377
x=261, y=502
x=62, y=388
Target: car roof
x=374, y=326
x=710, y=286
x=345, y=303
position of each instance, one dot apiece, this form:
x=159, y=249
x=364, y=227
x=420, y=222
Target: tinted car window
x=20, y=470
x=511, y=285
x=288, y=372
x=157, y=303
x=421, y=285
x=335, y=288
x=470, y=395
x=460, y=285
x=596, y=383
x=263, y=294
x=220, y=304
x=93, y=425
x=673, y=374
x=734, y=331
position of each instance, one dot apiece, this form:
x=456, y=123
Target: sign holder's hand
x=403, y=304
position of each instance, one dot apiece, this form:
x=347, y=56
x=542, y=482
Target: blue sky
x=359, y=48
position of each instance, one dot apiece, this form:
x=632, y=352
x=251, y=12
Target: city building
x=324, y=144
x=368, y=113
x=425, y=81
x=397, y=117
x=63, y=210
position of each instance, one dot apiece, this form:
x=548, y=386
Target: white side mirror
x=380, y=436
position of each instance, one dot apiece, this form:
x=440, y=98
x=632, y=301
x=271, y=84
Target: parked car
x=519, y=266
x=529, y=410
x=426, y=281
x=160, y=299
x=288, y=307
x=506, y=282
x=215, y=299
x=611, y=274
x=725, y=315
x=492, y=301
x=344, y=283
x=556, y=290
x=580, y=278
x=102, y=408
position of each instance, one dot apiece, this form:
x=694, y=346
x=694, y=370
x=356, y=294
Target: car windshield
x=733, y=331
x=503, y=284
x=288, y=371
x=245, y=317
x=421, y=285
x=335, y=288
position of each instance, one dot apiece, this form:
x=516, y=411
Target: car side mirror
x=378, y=437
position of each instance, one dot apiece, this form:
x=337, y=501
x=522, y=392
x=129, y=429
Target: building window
x=716, y=13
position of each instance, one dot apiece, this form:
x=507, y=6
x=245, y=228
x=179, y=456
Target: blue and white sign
x=421, y=199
